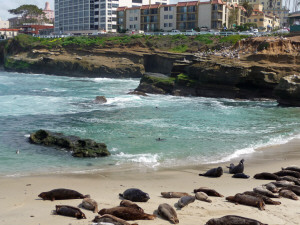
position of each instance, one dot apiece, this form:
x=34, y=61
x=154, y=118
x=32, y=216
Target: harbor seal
x=185, y=200
x=135, y=195
x=66, y=210
x=110, y=219
x=271, y=187
x=127, y=213
x=174, y=194
x=240, y=175
x=236, y=169
x=290, y=178
x=293, y=168
x=247, y=200
x=60, y=194
x=266, y=176
x=266, y=199
x=231, y=219
x=288, y=194
x=208, y=191
x=168, y=212
x=283, y=183
x=90, y=204
x=215, y=172
x=295, y=189
x=263, y=191
x=202, y=196
x=127, y=203
x=292, y=173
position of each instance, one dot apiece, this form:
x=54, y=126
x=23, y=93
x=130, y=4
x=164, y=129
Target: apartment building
x=4, y=24
x=181, y=16
x=88, y=16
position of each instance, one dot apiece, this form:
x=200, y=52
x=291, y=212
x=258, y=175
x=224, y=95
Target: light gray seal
x=110, y=219
x=185, y=200
x=288, y=194
x=202, y=196
x=263, y=191
x=174, y=194
x=168, y=212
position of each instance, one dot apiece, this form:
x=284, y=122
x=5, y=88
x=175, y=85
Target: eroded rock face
x=79, y=147
x=287, y=91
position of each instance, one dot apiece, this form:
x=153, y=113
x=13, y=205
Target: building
x=294, y=21
x=181, y=16
x=273, y=7
x=15, y=22
x=4, y=24
x=33, y=28
x=87, y=16
x=49, y=14
x=264, y=22
x=8, y=33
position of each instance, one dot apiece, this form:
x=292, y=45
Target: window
x=130, y=18
x=255, y=20
x=166, y=17
x=278, y=3
x=170, y=17
x=170, y=24
x=165, y=25
x=261, y=19
x=249, y=20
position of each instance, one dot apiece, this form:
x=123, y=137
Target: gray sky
x=5, y=5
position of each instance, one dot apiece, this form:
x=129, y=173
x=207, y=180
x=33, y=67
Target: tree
x=232, y=18
x=29, y=14
x=249, y=9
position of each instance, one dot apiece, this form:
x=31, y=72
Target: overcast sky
x=5, y=5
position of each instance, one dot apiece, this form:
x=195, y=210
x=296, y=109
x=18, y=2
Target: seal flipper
x=121, y=195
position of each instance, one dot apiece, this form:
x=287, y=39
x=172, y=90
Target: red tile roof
x=192, y=3
x=154, y=6
x=181, y=4
x=6, y=29
x=121, y=8
x=220, y=2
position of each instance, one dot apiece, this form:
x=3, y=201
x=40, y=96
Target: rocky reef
x=79, y=147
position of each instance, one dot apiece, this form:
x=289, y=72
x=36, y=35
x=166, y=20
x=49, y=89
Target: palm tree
x=249, y=8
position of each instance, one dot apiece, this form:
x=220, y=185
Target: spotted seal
x=288, y=194
x=127, y=213
x=263, y=191
x=135, y=195
x=66, y=210
x=174, y=194
x=90, y=204
x=266, y=199
x=61, y=193
x=208, y=191
x=271, y=187
x=185, y=200
x=127, y=203
x=202, y=196
x=168, y=212
x=215, y=172
x=110, y=219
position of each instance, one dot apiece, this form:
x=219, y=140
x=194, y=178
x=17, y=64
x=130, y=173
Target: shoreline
x=19, y=195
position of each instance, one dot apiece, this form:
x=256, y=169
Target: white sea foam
x=147, y=159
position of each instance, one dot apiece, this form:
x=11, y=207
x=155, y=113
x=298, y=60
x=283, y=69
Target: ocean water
x=194, y=130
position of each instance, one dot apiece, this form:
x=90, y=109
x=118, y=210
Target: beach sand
x=20, y=204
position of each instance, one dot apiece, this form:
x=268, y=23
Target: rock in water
x=66, y=210
x=79, y=147
x=135, y=195
x=215, y=172
x=168, y=212
x=100, y=99
x=231, y=219
x=185, y=200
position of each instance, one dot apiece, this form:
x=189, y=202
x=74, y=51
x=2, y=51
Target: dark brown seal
x=61, y=193
x=288, y=194
x=292, y=173
x=290, y=178
x=208, y=191
x=247, y=200
x=127, y=213
x=293, y=168
x=127, y=203
x=266, y=176
x=66, y=210
x=174, y=194
x=135, y=195
x=168, y=212
x=266, y=199
x=283, y=183
x=106, y=218
x=231, y=220
x=264, y=191
x=215, y=172
x=295, y=189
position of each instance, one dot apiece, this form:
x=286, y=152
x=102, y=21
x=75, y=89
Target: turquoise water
x=195, y=130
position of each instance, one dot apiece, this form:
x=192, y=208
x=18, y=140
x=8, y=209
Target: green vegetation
x=160, y=80
x=180, y=49
x=16, y=64
x=205, y=39
x=232, y=39
x=183, y=79
x=262, y=46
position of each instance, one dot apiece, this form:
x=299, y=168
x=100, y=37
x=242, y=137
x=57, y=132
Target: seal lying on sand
x=271, y=187
x=168, y=212
x=208, y=191
x=110, y=219
x=293, y=168
x=266, y=176
x=127, y=213
x=240, y=175
x=66, y=210
x=236, y=169
x=215, y=172
x=130, y=204
x=135, y=195
x=263, y=191
x=266, y=199
x=247, y=200
x=185, y=200
x=230, y=219
x=61, y=193
x=288, y=194
x=174, y=194
x=290, y=178
x=90, y=204
x=283, y=183
x=202, y=197
x=288, y=173
x=295, y=189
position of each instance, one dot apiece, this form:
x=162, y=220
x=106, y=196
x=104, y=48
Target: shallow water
x=194, y=130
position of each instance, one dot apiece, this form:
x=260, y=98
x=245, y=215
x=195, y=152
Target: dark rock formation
x=288, y=91
x=137, y=93
x=79, y=147
x=100, y=99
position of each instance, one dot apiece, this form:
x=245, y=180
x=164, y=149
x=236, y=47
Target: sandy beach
x=20, y=203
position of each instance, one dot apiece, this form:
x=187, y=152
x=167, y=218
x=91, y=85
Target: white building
x=168, y=17
x=4, y=23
